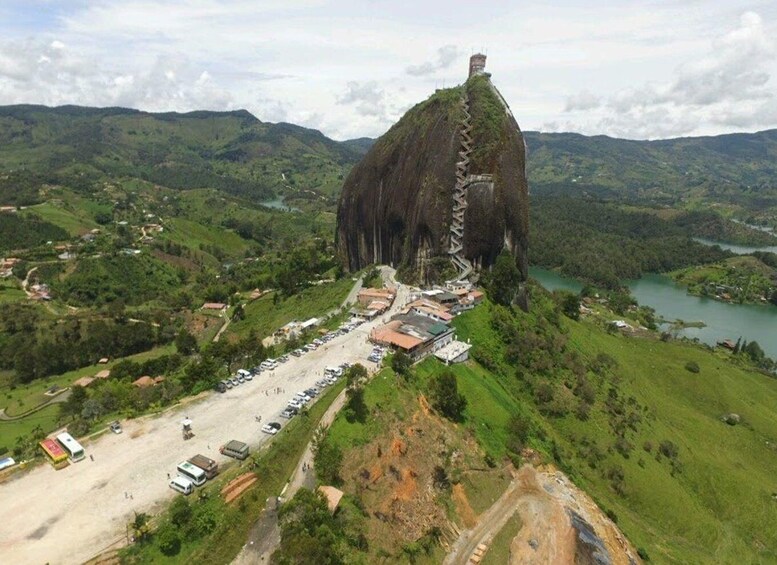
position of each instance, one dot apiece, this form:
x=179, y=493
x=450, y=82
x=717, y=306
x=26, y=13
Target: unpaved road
x=71, y=515
x=265, y=535
x=542, y=499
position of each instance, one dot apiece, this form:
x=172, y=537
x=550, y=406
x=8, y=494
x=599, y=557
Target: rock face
x=397, y=206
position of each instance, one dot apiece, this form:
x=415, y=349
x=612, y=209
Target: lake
x=671, y=301
x=279, y=204
x=738, y=249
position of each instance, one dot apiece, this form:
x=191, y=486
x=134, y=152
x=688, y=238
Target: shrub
x=643, y=554
x=692, y=366
x=668, y=449
x=169, y=541
x=445, y=397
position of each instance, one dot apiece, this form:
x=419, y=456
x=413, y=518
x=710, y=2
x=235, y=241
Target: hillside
x=623, y=417
x=736, y=169
x=230, y=151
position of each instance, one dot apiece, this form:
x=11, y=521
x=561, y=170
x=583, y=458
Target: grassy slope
x=24, y=397
x=264, y=317
x=719, y=508
x=192, y=234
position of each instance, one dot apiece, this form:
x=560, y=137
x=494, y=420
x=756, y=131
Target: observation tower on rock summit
x=477, y=64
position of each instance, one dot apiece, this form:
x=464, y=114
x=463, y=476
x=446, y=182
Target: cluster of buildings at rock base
x=423, y=325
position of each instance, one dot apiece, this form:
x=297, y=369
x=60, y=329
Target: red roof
x=53, y=449
x=144, y=381
x=214, y=306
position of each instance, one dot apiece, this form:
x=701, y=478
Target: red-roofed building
x=53, y=450
x=217, y=306
x=83, y=381
x=144, y=382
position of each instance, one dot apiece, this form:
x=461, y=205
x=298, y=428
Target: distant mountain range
x=236, y=152
x=232, y=151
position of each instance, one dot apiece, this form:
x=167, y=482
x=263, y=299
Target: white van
x=182, y=485
x=243, y=373
x=191, y=473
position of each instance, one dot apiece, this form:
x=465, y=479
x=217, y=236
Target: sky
x=640, y=69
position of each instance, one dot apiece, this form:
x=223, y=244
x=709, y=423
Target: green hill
x=737, y=168
x=230, y=151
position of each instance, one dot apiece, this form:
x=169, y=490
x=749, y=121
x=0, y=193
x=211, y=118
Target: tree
x=445, y=397
x=328, y=459
x=309, y=533
x=356, y=374
x=239, y=313
x=503, y=280
x=185, y=342
x=356, y=409
x=570, y=304
x=169, y=541
x=180, y=511
x=754, y=351
x=75, y=402
x=140, y=527
x=401, y=363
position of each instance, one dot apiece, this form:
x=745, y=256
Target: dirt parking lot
x=69, y=516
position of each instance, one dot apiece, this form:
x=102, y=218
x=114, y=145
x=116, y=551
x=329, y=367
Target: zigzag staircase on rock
x=462, y=264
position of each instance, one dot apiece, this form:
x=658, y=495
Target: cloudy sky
x=630, y=68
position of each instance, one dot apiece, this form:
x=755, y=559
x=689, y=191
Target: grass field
x=10, y=292
x=73, y=213
x=45, y=418
x=264, y=316
x=193, y=235
x=719, y=507
x=22, y=398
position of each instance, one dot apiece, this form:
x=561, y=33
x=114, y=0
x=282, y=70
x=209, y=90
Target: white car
x=302, y=397
x=271, y=428
x=294, y=403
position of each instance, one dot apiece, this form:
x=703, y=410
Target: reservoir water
x=279, y=204
x=672, y=302
x=738, y=249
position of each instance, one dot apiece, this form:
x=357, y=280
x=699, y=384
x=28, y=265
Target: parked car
x=302, y=397
x=234, y=381
x=294, y=403
x=321, y=382
x=249, y=377
x=289, y=413
x=311, y=392
x=271, y=428
x=116, y=427
x=283, y=358
x=240, y=378
x=297, y=352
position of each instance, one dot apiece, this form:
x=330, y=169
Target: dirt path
x=26, y=281
x=265, y=535
x=544, y=499
x=223, y=328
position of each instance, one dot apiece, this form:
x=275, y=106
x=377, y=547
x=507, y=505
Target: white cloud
x=584, y=100
x=446, y=55
x=351, y=67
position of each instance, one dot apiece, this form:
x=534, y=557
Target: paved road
x=68, y=516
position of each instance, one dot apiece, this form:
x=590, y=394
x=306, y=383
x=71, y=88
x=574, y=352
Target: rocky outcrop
x=398, y=204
